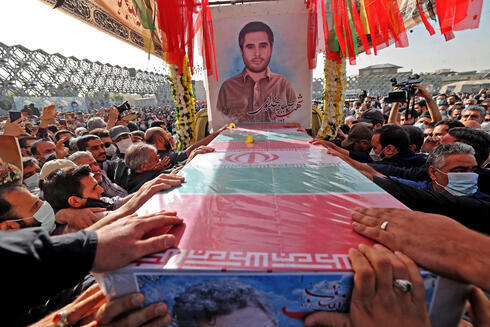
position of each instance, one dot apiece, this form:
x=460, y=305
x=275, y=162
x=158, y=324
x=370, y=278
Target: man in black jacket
x=37, y=266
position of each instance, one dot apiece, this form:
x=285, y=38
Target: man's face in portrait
x=256, y=51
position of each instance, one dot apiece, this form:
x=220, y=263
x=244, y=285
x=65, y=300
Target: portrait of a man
x=256, y=94
x=74, y=106
x=223, y=303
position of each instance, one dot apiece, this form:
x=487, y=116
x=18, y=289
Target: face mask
x=460, y=184
x=373, y=103
x=375, y=156
x=466, y=105
x=440, y=102
x=95, y=203
x=47, y=156
x=421, y=126
x=124, y=145
x=32, y=182
x=45, y=215
x=111, y=150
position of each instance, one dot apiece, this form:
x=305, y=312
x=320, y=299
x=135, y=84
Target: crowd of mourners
x=71, y=210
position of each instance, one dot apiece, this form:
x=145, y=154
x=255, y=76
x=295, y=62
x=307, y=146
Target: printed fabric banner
x=63, y=104
x=263, y=75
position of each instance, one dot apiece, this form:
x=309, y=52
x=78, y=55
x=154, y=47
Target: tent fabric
x=117, y=18
x=341, y=28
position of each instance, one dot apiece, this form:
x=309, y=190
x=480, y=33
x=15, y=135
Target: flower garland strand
x=335, y=82
x=185, y=113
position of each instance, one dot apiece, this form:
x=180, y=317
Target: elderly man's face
x=256, y=51
x=94, y=167
x=455, y=163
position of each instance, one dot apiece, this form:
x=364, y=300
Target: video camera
x=407, y=90
x=123, y=107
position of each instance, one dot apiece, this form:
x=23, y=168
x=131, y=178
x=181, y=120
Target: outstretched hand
x=435, y=242
x=123, y=241
x=375, y=301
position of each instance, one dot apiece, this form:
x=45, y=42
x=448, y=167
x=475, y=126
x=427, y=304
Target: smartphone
x=14, y=115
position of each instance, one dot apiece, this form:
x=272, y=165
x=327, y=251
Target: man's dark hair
x=6, y=209
x=450, y=123
x=100, y=132
x=61, y=184
x=159, y=123
x=23, y=141
x=58, y=133
x=431, y=125
x=29, y=161
x=132, y=126
x=422, y=103
x=415, y=135
x=211, y=298
x=35, y=144
x=479, y=140
x=83, y=141
x=255, y=27
x=394, y=135
x=53, y=128
x=74, y=102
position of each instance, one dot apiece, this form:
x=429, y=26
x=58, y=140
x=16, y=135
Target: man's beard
x=261, y=69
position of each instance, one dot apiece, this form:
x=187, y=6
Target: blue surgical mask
x=440, y=102
x=421, y=126
x=45, y=215
x=461, y=184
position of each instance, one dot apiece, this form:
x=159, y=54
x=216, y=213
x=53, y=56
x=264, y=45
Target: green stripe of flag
x=313, y=179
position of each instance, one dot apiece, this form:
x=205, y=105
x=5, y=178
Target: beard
x=257, y=69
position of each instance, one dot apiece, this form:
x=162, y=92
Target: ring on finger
x=384, y=225
x=403, y=285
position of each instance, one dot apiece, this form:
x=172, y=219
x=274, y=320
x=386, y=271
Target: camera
x=407, y=90
x=123, y=107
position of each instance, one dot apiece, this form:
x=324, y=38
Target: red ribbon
x=428, y=26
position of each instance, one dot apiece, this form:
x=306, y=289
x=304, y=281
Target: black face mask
x=94, y=203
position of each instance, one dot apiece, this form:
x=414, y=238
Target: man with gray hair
x=473, y=113
x=111, y=189
x=451, y=168
x=144, y=164
x=95, y=122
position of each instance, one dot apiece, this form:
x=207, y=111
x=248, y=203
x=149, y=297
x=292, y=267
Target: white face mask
x=32, y=182
x=124, y=145
x=111, y=151
x=375, y=156
x=45, y=215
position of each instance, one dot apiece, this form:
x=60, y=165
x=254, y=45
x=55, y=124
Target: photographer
x=434, y=112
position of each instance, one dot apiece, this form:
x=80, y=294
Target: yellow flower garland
x=185, y=113
x=335, y=82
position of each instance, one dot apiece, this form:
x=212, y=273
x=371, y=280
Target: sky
x=35, y=25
